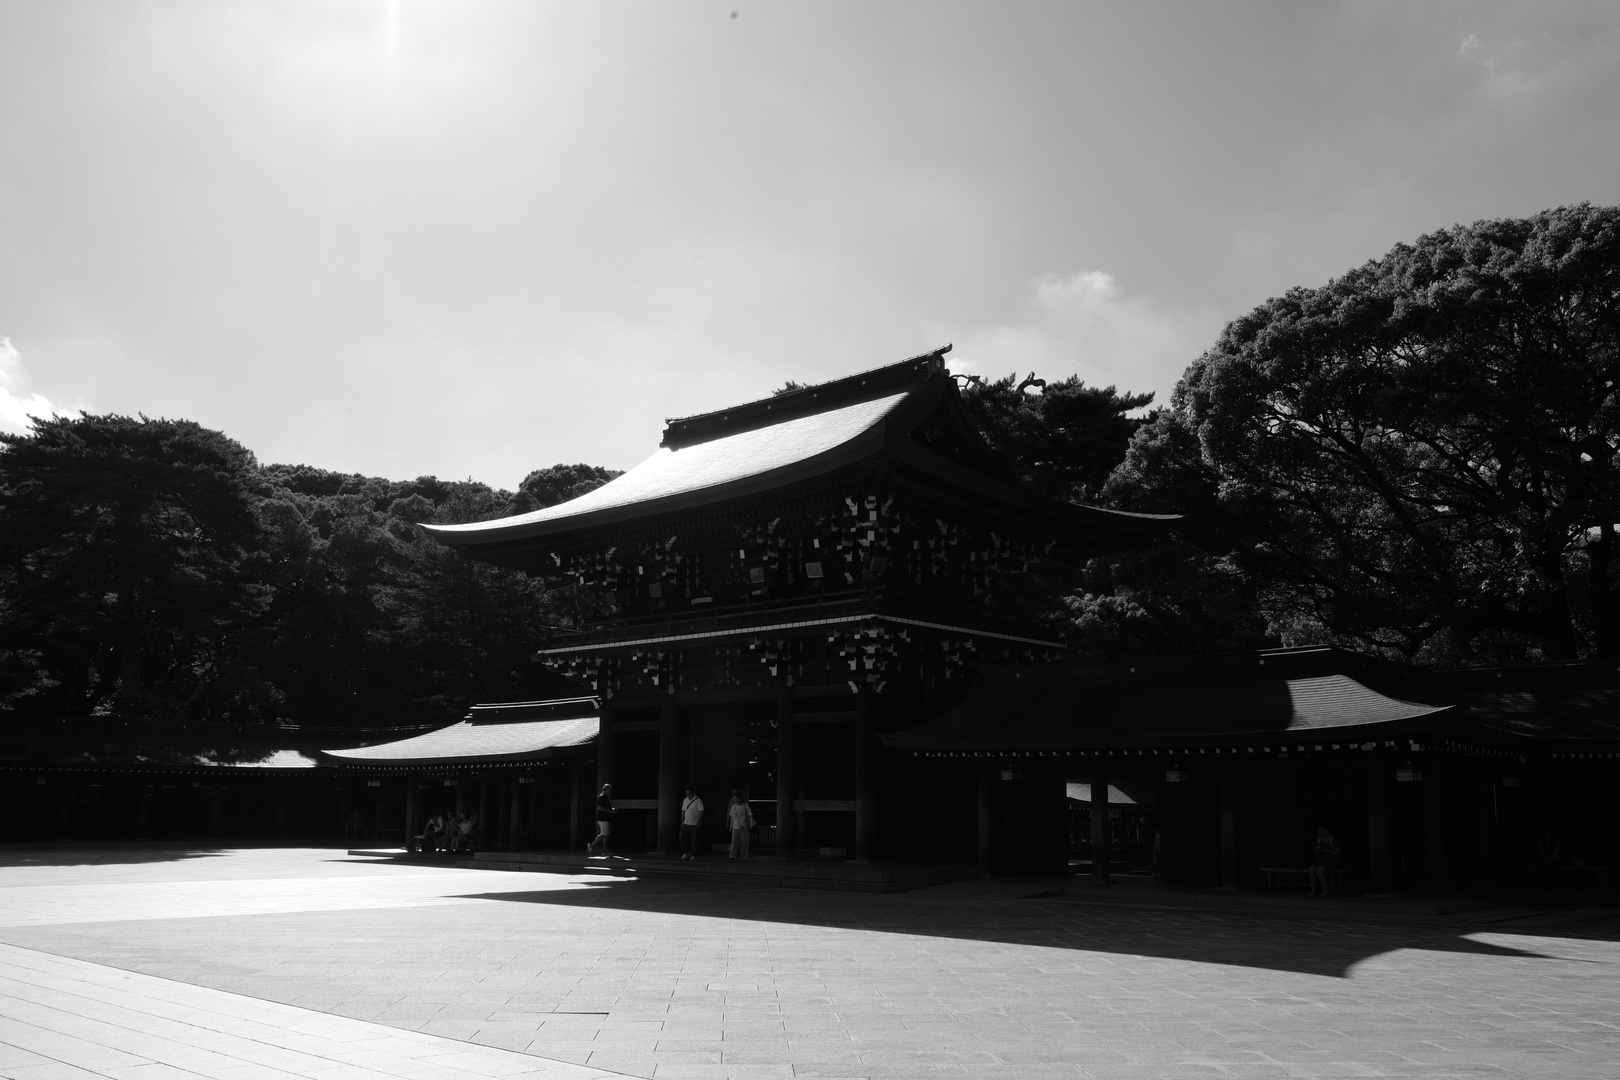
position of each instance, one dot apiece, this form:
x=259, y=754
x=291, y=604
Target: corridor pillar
x=987, y=788
x=787, y=833
x=669, y=780
x=1379, y=875
x=1229, y=826
x=866, y=762
x=1434, y=823
x=512, y=818
x=413, y=813
x=576, y=799
x=604, y=748
x=1293, y=825
x=1101, y=832
x=1484, y=826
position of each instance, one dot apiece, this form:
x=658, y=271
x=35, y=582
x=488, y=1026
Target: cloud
x=1086, y=324
x=16, y=404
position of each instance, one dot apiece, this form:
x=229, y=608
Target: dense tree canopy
x=1062, y=438
x=557, y=484
x=151, y=566
x=1422, y=455
x=126, y=547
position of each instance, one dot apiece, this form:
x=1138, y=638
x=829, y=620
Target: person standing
x=604, y=822
x=741, y=819
x=691, y=818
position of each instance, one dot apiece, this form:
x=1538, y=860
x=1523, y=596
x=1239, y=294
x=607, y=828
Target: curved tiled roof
x=807, y=434
x=470, y=741
x=1074, y=707
x=716, y=463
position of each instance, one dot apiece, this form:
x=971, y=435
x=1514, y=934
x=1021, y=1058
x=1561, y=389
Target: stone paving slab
x=63, y=1018
x=666, y=979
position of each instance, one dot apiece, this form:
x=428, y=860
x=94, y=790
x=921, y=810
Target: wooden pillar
x=866, y=780
x=1101, y=829
x=65, y=809
x=1484, y=827
x=484, y=823
x=541, y=835
x=669, y=777
x=1229, y=826
x=987, y=791
x=512, y=790
x=529, y=835
x=143, y=812
x=215, y=797
x=576, y=774
x=604, y=747
x=413, y=811
x=1434, y=824
x=281, y=807
x=1293, y=825
x=1379, y=862
x=787, y=833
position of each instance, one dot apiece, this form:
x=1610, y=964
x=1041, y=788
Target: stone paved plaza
x=250, y=964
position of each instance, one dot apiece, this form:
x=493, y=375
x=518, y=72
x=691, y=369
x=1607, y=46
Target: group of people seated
x=448, y=832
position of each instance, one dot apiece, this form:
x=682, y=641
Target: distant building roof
x=491, y=734
x=1242, y=698
x=168, y=744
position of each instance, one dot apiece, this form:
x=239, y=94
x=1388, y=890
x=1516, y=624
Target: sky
x=473, y=238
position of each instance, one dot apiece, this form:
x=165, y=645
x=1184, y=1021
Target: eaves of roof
x=1062, y=709
x=472, y=742
x=717, y=471
x=717, y=458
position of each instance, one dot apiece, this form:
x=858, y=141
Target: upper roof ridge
x=805, y=401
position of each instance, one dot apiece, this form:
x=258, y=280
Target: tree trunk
x=1605, y=619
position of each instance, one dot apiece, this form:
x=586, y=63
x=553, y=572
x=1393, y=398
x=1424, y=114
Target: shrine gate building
x=785, y=582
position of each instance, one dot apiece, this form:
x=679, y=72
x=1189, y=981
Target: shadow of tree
x=71, y=854
x=1309, y=944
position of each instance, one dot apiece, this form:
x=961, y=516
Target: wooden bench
x=1276, y=877
x=1600, y=876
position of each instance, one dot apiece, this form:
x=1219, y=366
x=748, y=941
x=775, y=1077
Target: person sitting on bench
x=463, y=840
x=1324, y=862
x=432, y=832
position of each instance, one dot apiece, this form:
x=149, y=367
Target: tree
x=559, y=483
x=125, y=560
x=1182, y=595
x=372, y=621
x=1422, y=455
x=1062, y=440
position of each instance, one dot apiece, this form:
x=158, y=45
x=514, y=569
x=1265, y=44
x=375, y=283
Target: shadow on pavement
x=1279, y=941
x=70, y=854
